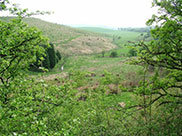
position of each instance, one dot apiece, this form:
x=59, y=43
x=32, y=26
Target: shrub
x=113, y=54
x=132, y=52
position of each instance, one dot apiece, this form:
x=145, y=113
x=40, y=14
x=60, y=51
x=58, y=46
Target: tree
x=3, y=4
x=113, y=54
x=50, y=59
x=25, y=106
x=46, y=62
x=132, y=52
x=18, y=47
x=58, y=54
x=164, y=52
x=52, y=56
x=103, y=53
x=19, y=44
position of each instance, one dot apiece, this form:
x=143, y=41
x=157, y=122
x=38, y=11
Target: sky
x=110, y=13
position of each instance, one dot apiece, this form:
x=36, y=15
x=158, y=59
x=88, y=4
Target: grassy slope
x=70, y=40
x=98, y=30
x=124, y=36
x=97, y=64
x=75, y=41
x=120, y=38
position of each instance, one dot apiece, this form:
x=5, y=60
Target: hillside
x=70, y=40
x=107, y=31
x=120, y=37
x=98, y=30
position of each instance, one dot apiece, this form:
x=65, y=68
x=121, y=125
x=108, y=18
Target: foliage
x=45, y=63
x=25, y=106
x=52, y=56
x=17, y=43
x=165, y=51
x=132, y=52
x=73, y=107
x=3, y=4
x=162, y=93
x=50, y=59
x=103, y=53
x=107, y=78
x=58, y=55
x=113, y=54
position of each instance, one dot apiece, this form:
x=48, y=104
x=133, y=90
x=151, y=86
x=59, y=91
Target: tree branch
x=168, y=102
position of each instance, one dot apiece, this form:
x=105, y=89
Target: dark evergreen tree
x=114, y=54
x=58, y=54
x=46, y=61
x=52, y=56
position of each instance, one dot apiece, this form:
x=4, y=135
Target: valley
x=57, y=80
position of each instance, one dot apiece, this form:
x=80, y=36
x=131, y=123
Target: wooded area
x=87, y=103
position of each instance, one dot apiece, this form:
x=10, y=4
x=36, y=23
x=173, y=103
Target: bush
x=132, y=52
x=113, y=54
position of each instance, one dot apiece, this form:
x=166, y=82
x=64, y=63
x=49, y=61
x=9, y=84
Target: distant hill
x=120, y=37
x=99, y=30
x=70, y=40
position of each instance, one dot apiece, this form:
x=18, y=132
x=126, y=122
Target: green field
x=122, y=37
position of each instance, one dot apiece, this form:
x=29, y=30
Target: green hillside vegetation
x=99, y=30
x=105, y=83
x=70, y=40
x=123, y=38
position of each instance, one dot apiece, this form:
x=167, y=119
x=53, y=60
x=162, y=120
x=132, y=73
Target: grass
x=122, y=37
x=70, y=40
x=116, y=69
x=79, y=60
x=79, y=43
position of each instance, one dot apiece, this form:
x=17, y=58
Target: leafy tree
x=19, y=45
x=52, y=56
x=132, y=52
x=3, y=4
x=21, y=103
x=164, y=88
x=113, y=54
x=103, y=53
x=166, y=50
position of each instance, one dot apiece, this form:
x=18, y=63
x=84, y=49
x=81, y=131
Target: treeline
x=142, y=29
x=49, y=60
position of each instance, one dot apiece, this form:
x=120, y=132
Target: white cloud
x=113, y=13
